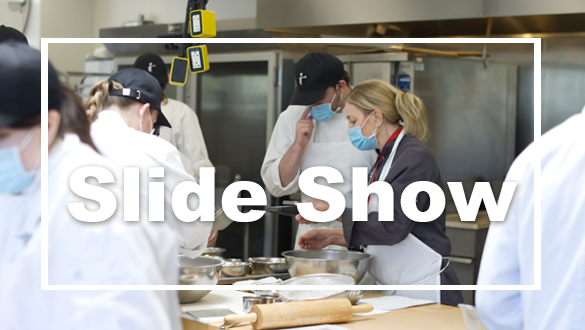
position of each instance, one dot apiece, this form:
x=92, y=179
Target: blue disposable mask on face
x=323, y=112
x=359, y=140
x=13, y=177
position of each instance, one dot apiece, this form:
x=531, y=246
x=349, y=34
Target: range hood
x=422, y=18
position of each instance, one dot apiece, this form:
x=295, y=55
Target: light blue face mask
x=13, y=177
x=359, y=140
x=323, y=112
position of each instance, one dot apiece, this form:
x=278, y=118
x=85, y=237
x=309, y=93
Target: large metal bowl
x=213, y=251
x=267, y=265
x=349, y=263
x=198, y=271
x=323, y=280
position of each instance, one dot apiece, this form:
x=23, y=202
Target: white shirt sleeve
x=192, y=236
x=189, y=138
x=283, y=137
x=508, y=253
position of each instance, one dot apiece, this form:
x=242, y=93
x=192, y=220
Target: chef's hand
x=304, y=129
x=317, y=239
x=319, y=205
x=212, y=239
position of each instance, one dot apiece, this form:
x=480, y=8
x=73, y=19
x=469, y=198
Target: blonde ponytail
x=99, y=98
x=394, y=105
x=413, y=113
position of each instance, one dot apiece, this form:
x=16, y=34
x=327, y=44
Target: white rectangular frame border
x=45, y=42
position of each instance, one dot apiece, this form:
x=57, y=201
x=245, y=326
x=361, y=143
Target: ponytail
x=396, y=106
x=413, y=114
x=99, y=98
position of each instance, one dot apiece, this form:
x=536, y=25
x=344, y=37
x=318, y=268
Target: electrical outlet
x=196, y=22
x=196, y=60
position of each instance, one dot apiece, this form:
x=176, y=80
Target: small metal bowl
x=233, y=260
x=233, y=269
x=213, y=251
x=268, y=266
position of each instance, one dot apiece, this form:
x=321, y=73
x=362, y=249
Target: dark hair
x=344, y=77
x=27, y=122
x=73, y=117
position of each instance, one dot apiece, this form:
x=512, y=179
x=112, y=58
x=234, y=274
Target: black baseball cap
x=55, y=90
x=20, y=82
x=8, y=33
x=142, y=87
x=314, y=73
x=154, y=65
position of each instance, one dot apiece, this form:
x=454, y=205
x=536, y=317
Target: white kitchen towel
x=390, y=303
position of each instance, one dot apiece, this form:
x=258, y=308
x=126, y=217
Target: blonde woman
x=394, y=123
x=124, y=108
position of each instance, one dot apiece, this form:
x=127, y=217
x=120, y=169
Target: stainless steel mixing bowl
x=267, y=265
x=231, y=269
x=349, y=263
x=213, y=251
x=198, y=271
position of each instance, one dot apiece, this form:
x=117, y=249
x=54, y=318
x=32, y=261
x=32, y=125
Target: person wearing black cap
x=312, y=131
x=79, y=253
x=8, y=33
x=185, y=132
x=122, y=108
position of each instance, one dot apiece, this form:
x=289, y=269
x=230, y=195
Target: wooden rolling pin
x=299, y=313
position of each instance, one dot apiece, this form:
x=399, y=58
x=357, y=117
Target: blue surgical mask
x=323, y=112
x=359, y=140
x=13, y=177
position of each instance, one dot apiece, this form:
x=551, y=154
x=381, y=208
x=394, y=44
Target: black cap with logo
x=154, y=65
x=314, y=73
x=142, y=87
x=8, y=33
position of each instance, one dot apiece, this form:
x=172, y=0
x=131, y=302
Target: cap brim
x=307, y=97
x=161, y=120
x=8, y=120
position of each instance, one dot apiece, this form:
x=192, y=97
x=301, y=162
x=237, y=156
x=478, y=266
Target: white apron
x=408, y=262
x=342, y=156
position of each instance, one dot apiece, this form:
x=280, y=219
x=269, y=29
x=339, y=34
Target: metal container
x=198, y=271
x=322, y=280
x=271, y=298
x=250, y=301
x=233, y=260
x=213, y=251
x=232, y=269
x=355, y=296
x=349, y=263
x=267, y=265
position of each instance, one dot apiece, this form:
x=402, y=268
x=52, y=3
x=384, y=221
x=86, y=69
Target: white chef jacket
x=508, y=256
x=185, y=135
x=334, y=149
x=109, y=252
x=127, y=147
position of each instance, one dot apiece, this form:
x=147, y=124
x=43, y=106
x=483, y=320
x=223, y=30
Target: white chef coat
x=127, y=147
x=330, y=146
x=109, y=252
x=185, y=135
x=508, y=256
